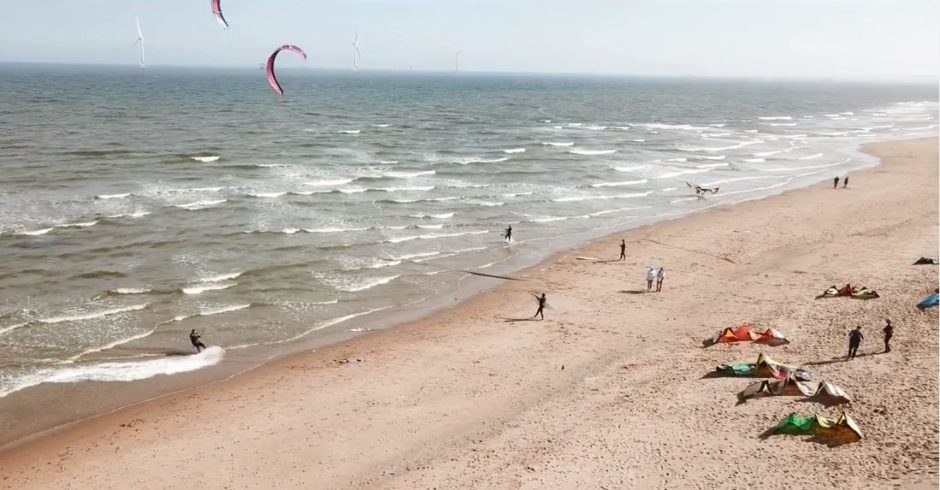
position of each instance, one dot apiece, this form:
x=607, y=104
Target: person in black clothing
x=508, y=234
x=835, y=183
x=623, y=250
x=855, y=339
x=541, y=307
x=889, y=332
x=845, y=182
x=194, y=338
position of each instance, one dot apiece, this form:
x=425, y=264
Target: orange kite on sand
x=745, y=333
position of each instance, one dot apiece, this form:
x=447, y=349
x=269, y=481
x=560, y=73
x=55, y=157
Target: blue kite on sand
x=929, y=302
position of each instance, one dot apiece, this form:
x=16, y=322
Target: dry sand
x=607, y=392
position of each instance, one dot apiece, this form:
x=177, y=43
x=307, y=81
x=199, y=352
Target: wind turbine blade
x=140, y=33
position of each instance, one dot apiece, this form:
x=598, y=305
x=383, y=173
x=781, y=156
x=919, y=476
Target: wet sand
x=607, y=392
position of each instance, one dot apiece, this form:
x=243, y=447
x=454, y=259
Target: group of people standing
x=856, y=337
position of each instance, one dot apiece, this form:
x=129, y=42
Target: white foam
x=754, y=160
x=781, y=124
x=558, y=143
x=431, y=227
x=600, y=198
x=469, y=160
x=688, y=171
x=811, y=157
x=514, y=150
x=433, y=236
x=618, y=210
x=206, y=159
x=405, y=175
x=333, y=229
x=548, y=219
x=350, y=131
x=221, y=277
x=415, y=255
x=208, y=287
x=367, y=283
x=517, y=194
x=193, y=206
x=414, y=188
x=433, y=216
x=113, y=196
x=685, y=127
x=619, y=184
x=11, y=328
x=707, y=157
x=135, y=214
x=578, y=151
x=353, y=190
x=388, y=162
x=712, y=165
x=121, y=371
x=381, y=265
x=224, y=309
x=270, y=165
x=130, y=291
x=775, y=118
x=491, y=204
x=326, y=182
x=381, y=125
x=631, y=168
x=768, y=153
x=42, y=231
x=92, y=316
x=268, y=195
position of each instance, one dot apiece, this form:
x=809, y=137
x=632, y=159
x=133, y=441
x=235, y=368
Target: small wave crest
x=579, y=151
x=514, y=150
x=206, y=158
x=92, y=316
x=620, y=184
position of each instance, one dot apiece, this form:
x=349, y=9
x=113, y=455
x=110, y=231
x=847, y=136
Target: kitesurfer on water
x=194, y=338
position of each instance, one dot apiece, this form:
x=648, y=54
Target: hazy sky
x=860, y=39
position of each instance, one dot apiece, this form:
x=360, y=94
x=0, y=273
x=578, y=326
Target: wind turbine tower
x=457, y=61
x=355, y=53
x=140, y=41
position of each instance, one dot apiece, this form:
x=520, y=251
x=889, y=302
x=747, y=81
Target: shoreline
x=322, y=359
x=240, y=362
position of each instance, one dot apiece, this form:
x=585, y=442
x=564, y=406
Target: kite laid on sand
x=269, y=68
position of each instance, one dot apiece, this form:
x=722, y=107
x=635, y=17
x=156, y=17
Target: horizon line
x=924, y=79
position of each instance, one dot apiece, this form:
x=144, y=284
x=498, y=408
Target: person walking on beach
x=889, y=332
x=194, y=338
x=845, y=182
x=623, y=250
x=855, y=339
x=538, y=312
x=835, y=183
x=660, y=275
x=508, y=234
x=651, y=276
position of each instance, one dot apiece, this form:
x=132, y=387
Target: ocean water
x=136, y=205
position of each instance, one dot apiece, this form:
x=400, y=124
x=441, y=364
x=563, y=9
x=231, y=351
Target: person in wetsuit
x=623, y=250
x=835, y=183
x=508, y=234
x=194, y=338
x=889, y=332
x=855, y=340
x=539, y=313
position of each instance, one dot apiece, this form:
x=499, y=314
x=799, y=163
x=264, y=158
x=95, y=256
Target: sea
x=139, y=204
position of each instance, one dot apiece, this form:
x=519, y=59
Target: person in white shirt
x=651, y=276
x=660, y=275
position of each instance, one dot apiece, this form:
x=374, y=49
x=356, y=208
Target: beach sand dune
x=607, y=392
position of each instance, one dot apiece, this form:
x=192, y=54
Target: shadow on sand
x=529, y=319
x=507, y=278
x=633, y=291
x=842, y=359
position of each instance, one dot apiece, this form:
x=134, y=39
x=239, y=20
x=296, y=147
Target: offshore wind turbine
x=355, y=53
x=457, y=60
x=140, y=41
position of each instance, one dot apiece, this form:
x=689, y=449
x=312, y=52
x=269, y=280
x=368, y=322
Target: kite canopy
x=765, y=367
x=269, y=68
x=925, y=261
x=849, y=291
x=929, y=302
x=745, y=333
x=829, y=394
x=788, y=386
x=839, y=430
x=217, y=10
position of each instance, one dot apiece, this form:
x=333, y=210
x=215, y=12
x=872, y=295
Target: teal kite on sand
x=929, y=302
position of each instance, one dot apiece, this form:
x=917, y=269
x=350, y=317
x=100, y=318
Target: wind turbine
x=140, y=40
x=457, y=61
x=356, y=54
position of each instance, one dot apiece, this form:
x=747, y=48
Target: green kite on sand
x=839, y=430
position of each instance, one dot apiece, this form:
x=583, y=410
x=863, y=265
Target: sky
x=896, y=40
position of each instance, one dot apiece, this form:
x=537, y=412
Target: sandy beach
x=606, y=392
